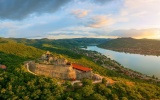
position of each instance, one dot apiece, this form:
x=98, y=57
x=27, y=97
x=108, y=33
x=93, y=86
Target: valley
x=112, y=64
x=18, y=83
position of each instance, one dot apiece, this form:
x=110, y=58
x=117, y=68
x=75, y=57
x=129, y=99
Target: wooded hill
x=130, y=45
x=12, y=47
x=17, y=83
x=68, y=43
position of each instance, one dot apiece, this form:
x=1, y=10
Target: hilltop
x=131, y=45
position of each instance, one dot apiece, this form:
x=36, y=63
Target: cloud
x=72, y=32
x=143, y=4
x=80, y=13
x=123, y=13
x=142, y=33
x=141, y=7
x=139, y=14
x=101, y=1
x=19, y=9
x=99, y=21
x=152, y=33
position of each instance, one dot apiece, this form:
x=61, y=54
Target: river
x=149, y=65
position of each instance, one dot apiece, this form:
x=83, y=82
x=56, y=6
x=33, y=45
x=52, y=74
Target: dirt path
x=29, y=70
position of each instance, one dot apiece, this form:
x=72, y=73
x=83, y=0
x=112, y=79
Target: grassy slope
x=19, y=49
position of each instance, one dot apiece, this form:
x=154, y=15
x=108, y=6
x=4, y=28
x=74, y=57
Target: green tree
x=68, y=98
x=77, y=96
x=86, y=91
x=86, y=82
x=115, y=97
x=68, y=84
x=124, y=98
x=104, y=81
x=107, y=92
x=97, y=97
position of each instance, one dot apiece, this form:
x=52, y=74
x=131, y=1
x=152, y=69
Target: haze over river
x=149, y=65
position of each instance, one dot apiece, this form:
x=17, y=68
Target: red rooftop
x=3, y=67
x=80, y=67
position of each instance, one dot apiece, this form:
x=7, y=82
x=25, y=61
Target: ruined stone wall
x=58, y=71
x=32, y=66
x=81, y=75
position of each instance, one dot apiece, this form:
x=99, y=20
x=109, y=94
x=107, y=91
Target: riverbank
x=135, y=46
x=113, y=65
x=135, y=51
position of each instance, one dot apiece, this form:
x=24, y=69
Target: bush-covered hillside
x=130, y=45
x=68, y=43
x=19, y=49
x=17, y=83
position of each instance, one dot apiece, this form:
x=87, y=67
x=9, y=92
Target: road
x=29, y=70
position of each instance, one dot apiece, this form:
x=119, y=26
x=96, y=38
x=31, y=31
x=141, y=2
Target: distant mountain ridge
x=70, y=42
x=131, y=45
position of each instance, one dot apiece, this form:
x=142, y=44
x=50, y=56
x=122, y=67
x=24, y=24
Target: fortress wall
x=81, y=75
x=59, y=68
x=32, y=66
x=62, y=72
x=59, y=71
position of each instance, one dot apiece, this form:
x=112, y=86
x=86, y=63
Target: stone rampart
x=57, y=71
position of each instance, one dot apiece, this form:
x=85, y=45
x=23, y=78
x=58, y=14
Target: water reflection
x=149, y=65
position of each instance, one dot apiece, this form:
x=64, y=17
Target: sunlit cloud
x=80, y=13
x=141, y=7
x=124, y=13
x=139, y=14
x=99, y=21
x=142, y=33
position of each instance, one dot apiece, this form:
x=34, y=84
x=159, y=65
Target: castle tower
x=48, y=53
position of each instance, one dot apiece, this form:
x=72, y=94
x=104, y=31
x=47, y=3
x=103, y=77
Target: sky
x=56, y=19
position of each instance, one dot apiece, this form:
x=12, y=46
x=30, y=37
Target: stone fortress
x=58, y=67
